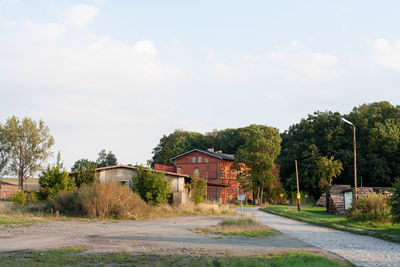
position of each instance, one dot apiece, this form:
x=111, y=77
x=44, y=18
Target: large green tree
x=4, y=151
x=105, y=159
x=259, y=152
x=328, y=169
x=324, y=134
x=28, y=143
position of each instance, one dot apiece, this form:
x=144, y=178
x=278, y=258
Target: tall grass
x=371, y=207
x=120, y=202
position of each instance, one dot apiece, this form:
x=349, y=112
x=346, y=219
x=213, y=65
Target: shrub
x=19, y=198
x=55, y=179
x=87, y=173
x=152, y=187
x=101, y=201
x=197, y=190
x=371, y=207
x=395, y=201
x=32, y=197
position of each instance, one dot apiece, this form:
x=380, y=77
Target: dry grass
x=239, y=226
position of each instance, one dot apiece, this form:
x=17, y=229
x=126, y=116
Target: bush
x=152, y=187
x=86, y=174
x=371, y=207
x=19, y=198
x=395, y=201
x=197, y=190
x=100, y=201
x=55, y=179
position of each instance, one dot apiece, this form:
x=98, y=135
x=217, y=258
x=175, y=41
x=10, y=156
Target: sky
x=118, y=75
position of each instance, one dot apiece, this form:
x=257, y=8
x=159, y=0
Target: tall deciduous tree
x=328, y=169
x=4, y=151
x=105, y=159
x=28, y=143
x=258, y=153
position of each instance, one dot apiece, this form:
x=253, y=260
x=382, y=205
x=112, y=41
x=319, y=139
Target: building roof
x=212, y=154
x=135, y=168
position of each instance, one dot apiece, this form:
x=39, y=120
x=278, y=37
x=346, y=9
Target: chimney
x=210, y=150
x=179, y=170
x=219, y=152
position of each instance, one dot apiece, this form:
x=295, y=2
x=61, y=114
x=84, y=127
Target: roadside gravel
x=359, y=250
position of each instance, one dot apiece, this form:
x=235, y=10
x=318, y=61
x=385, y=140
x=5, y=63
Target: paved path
x=358, y=249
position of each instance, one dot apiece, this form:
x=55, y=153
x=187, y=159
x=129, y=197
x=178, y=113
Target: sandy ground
x=161, y=236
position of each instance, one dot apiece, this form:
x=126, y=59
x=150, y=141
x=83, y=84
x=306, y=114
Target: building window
x=206, y=160
x=222, y=174
x=199, y=159
x=233, y=175
x=228, y=174
x=229, y=190
x=193, y=159
x=233, y=190
x=196, y=171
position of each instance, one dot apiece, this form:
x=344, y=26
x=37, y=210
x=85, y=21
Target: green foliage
x=328, y=168
x=371, y=207
x=82, y=163
x=28, y=143
x=86, y=174
x=106, y=159
x=4, y=151
x=395, y=201
x=19, y=198
x=197, y=189
x=261, y=148
x=152, y=187
x=55, y=179
x=323, y=133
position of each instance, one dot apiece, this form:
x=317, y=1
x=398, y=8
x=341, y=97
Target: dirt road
x=162, y=236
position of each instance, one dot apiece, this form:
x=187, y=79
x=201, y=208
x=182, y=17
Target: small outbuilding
x=7, y=190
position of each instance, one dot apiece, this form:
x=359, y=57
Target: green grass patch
x=319, y=216
x=7, y=221
x=77, y=257
x=239, y=226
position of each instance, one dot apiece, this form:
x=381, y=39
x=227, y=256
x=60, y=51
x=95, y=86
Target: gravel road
x=359, y=250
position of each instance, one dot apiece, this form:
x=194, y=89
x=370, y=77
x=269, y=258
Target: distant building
x=7, y=190
x=213, y=166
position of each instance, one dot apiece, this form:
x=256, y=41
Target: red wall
x=212, y=171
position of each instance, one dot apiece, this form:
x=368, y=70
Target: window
x=193, y=159
x=206, y=160
x=233, y=175
x=228, y=174
x=196, y=171
x=222, y=174
x=199, y=159
x=229, y=190
x=233, y=189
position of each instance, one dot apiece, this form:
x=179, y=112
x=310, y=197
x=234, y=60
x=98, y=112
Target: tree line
x=321, y=143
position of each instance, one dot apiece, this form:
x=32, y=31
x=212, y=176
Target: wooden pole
x=355, y=170
x=298, y=188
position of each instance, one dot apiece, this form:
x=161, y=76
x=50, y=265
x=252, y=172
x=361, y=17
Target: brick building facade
x=215, y=168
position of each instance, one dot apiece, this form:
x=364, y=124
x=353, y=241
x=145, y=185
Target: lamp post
x=355, y=162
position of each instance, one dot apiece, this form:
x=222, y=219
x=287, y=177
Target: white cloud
x=210, y=54
x=386, y=55
x=145, y=47
x=81, y=15
x=47, y=30
x=295, y=63
x=177, y=43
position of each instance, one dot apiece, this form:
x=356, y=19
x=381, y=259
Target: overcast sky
x=120, y=74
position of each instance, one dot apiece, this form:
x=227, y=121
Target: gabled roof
x=212, y=154
x=134, y=168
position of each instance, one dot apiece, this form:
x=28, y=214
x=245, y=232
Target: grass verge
x=319, y=216
x=239, y=226
x=77, y=257
x=7, y=221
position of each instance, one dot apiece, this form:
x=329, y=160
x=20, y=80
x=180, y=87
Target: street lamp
x=355, y=163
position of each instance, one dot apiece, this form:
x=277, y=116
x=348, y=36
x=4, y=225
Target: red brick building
x=215, y=168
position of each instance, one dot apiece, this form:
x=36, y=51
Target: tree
x=28, y=143
x=86, y=174
x=4, y=151
x=197, y=189
x=82, y=163
x=395, y=201
x=55, y=179
x=328, y=168
x=152, y=187
x=258, y=153
x=106, y=159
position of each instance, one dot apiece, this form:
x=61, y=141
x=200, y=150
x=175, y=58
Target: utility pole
x=298, y=188
x=355, y=169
